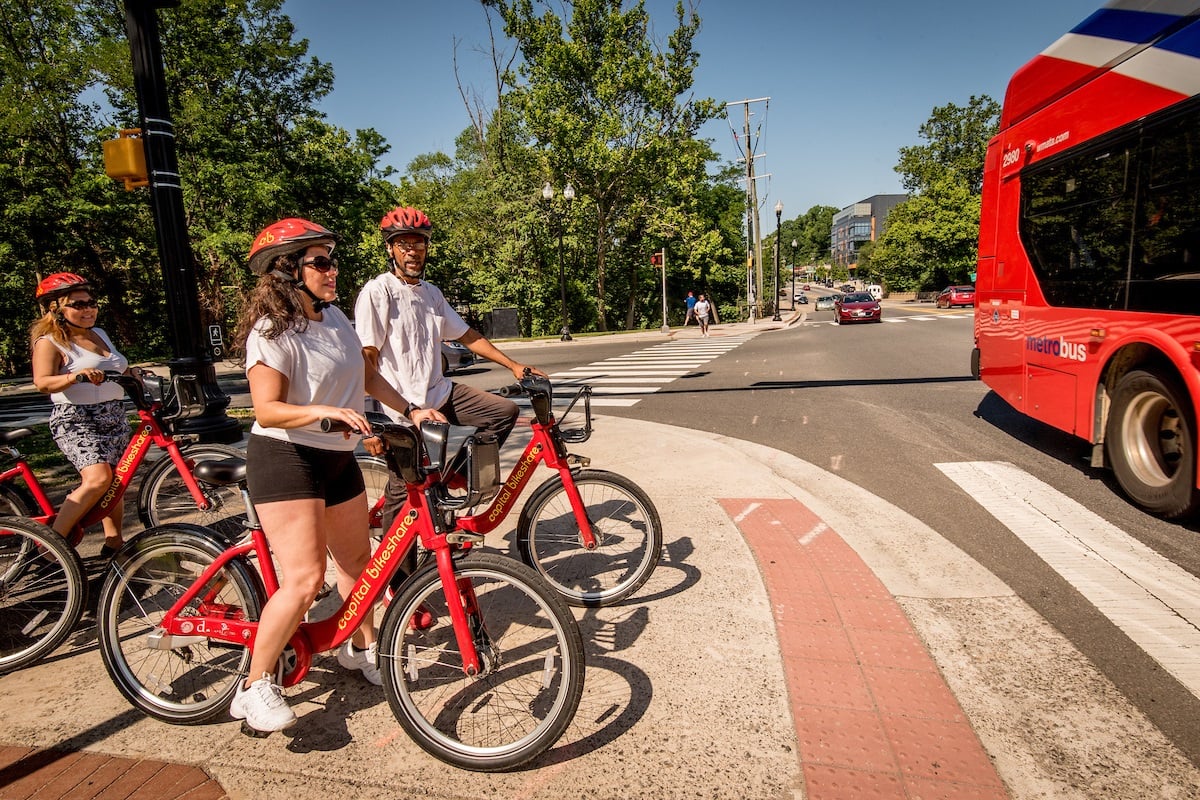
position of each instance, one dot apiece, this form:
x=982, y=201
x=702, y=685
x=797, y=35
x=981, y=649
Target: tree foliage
x=932, y=239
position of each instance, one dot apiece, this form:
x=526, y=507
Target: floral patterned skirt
x=90, y=434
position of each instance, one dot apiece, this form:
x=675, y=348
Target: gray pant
x=465, y=406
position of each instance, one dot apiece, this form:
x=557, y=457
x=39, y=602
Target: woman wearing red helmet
x=304, y=364
x=87, y=420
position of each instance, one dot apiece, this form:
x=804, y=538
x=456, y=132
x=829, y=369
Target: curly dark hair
x=275, y=299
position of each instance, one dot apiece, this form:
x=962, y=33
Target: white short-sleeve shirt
x=407, y=323
x=323, y=365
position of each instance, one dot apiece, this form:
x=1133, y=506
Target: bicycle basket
x=186, y=399
x=577, y=435
x=478, y=462
x=403, y=452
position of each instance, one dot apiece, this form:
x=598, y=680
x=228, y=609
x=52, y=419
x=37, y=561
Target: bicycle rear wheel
x=532, y=665
x=163, y=497
x=42, y=591
x=15, y=501
x=186, y=679
x=629, y=538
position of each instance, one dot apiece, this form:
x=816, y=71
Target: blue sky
x=849, y=83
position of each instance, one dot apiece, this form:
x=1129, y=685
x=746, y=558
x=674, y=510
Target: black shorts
x=278, y=470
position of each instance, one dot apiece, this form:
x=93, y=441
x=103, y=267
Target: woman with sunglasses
x=303, y=363
x=87, y=420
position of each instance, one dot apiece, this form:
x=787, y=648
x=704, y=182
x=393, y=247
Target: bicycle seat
x=15, y=435
x=222, y=472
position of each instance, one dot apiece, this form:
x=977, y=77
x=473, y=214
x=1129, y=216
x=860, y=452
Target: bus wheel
x=1151, y=442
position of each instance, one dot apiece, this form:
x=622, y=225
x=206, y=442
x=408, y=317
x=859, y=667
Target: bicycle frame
x=414, y=520
x=149, y=432
x=546, y=447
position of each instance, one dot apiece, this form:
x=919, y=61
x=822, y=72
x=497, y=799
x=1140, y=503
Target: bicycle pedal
x=253, y=732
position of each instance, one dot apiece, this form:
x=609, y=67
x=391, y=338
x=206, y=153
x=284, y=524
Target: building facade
x=859, y=223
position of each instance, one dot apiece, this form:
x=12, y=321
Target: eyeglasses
x=410, y=246
x=79, y=305
x=321, y=263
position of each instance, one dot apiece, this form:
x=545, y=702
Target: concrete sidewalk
x=801, y=638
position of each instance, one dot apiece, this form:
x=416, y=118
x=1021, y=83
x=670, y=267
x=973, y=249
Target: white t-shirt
x=407, y=324
x=76, y=358
x=323, y=365
x=702, y=308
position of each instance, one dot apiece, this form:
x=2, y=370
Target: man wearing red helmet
x=402, y=321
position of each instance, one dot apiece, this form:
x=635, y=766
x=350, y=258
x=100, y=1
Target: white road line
x=634, y=373
x=1155, y=602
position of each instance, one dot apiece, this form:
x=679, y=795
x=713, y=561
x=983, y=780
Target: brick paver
x=37, y=774
x=874, y=717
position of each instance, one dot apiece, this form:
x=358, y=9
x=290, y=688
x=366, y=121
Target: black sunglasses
x=321, y=263
x=81, y=304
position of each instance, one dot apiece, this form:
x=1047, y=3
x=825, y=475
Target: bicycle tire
x=163, y=498
x=532, y=678
x=375, y=478
x=629, y=538
x=16, y=501
x=195, y=680
x=42, y=591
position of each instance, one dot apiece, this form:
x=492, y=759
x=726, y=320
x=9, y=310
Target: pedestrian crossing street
x=622, y=381
x=1154, y=601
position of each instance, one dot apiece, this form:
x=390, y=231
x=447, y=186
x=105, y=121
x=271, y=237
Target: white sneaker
x=262, y=706
x=361, y=660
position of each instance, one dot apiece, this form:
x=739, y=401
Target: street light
x=568, y=194
x=778, y=216
x=794, y=244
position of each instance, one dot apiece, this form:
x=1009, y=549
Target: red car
x=857, y=307
x=953, y=296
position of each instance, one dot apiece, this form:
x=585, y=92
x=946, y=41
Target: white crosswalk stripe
x=1154, y=601
x=621, y=381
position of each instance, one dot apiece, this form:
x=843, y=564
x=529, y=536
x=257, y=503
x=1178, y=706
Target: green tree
x=608, y=109
x=956, y=145
x=932, y=239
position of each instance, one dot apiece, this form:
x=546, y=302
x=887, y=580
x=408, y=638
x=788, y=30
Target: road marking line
x=1155, y=602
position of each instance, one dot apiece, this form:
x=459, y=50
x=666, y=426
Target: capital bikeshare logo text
x=1059, y=348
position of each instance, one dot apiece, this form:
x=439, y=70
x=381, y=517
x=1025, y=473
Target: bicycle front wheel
x=532, y=665
x=375, y=478
x=164, y=498
x=42, y=591
x=629, y=538
x=180, y=679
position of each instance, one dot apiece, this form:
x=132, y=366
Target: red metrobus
x=1088, y=283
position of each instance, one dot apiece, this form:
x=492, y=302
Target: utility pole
x=754, y=278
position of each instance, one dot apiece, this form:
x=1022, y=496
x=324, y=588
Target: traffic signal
x=656, y=259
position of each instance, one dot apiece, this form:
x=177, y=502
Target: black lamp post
x=794, y=244
x=568, y=194
x=192, y=367
x=778, y=216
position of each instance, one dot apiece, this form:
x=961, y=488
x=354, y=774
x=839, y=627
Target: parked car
x=801, y=298
x=455, y=355
x=857, y=307
x=826, y=301
x=953, y=296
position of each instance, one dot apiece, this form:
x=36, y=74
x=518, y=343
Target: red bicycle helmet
x=404, y=219
x=283, y=237
x=60, y=283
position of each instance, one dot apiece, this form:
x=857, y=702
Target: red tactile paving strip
x=874, y=717
x=29, y=773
